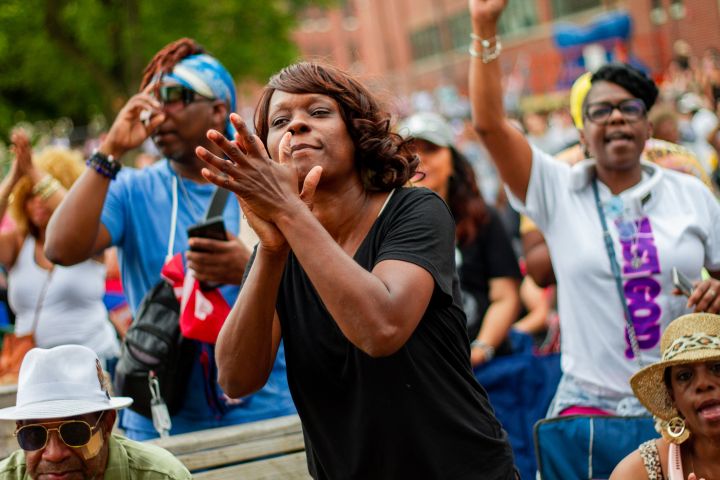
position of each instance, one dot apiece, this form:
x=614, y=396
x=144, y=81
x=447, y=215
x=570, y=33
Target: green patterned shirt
x=128, y=460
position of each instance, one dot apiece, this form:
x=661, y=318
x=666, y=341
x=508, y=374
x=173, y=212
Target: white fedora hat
x=60, y=382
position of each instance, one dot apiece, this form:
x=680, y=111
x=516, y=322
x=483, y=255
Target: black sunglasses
x=178, y=93
x=74, y=433
x=632, y=110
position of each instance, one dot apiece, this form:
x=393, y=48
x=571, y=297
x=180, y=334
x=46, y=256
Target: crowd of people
x=363, y=272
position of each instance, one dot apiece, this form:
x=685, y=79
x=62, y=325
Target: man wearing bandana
x=184, y=93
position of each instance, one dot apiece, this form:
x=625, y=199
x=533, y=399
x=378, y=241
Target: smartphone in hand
x=681, y=282
x=213, y=228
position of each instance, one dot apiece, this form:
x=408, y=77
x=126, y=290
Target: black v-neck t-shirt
x=418, y=413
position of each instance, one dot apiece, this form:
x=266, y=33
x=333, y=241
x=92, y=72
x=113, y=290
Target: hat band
x=687, y=343
x=48, y=392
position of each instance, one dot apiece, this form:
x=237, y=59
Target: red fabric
x=202, y=312
x=577, y=410
x=113, y=285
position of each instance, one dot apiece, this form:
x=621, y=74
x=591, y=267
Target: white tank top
x=72, y=310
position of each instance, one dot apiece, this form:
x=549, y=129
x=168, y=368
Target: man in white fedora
x=65, y=415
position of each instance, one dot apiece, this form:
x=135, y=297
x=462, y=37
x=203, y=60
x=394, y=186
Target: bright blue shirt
x=137, y=213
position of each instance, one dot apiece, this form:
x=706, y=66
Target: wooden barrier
x=269, y=449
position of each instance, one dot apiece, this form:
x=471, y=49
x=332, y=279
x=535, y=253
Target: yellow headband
x=578, y=92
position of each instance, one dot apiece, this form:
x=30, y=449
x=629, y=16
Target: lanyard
x=616, y=273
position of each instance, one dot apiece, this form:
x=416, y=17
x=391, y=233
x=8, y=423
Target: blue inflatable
x=612, y=31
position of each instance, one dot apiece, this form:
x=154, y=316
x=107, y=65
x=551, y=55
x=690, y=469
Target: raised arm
x=10, y=241
x=75, y=233
x=508, y=147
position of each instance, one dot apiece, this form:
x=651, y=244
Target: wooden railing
x=269, y=449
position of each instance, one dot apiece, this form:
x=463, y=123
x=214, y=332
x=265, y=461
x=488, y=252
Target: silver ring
x=712, y=293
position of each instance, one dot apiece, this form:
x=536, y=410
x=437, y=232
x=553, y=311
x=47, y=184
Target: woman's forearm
x=503, y=310
x=508, y=147
x=251, y=330
x=74, y=231
x=6, y=188
x=377, y=311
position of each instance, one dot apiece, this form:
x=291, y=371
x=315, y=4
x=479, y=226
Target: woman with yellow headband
x=614, y=225
x=57, y=305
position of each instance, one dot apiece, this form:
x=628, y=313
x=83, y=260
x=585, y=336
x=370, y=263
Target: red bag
x=202, y=312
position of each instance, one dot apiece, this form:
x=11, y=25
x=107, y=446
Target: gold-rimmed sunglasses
x=73, y=433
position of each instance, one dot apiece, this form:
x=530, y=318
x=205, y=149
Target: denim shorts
x=573, y=392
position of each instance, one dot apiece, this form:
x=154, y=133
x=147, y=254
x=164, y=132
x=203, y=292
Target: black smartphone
x=214, y=229
x=682, y=282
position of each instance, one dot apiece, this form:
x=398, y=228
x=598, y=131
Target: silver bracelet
x=491, y=48
x=489, y=350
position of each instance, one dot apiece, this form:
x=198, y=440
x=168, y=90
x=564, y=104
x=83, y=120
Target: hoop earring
x=675, y=431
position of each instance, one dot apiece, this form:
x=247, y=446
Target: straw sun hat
x=688, y=339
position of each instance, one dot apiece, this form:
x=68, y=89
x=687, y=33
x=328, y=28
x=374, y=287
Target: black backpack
x=154, y=343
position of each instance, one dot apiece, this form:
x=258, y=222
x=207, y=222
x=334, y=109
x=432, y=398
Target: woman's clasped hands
x=266, y=189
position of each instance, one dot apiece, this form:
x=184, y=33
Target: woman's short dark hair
x=383, y=158
x=631, y=79
x=465, y=201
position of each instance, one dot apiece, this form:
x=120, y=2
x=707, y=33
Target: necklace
x=186, y=196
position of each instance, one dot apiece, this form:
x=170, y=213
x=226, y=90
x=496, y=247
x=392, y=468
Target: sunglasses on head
x=177, y=93
x=632, y=110
x=73, y=433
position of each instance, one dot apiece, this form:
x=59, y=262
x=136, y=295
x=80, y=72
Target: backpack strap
x=217, y=203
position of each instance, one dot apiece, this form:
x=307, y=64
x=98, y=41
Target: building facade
x=409, y=45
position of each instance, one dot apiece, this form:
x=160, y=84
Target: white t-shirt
x=72, y=311
x=676, y=224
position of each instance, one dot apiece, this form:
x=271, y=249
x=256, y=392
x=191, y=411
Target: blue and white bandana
x=208, y=77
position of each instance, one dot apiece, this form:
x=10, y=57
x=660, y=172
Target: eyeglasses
x=174, y=94
x=73, y=433
x=632, y=110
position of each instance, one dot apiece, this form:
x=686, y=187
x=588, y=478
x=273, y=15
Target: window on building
x=677, y=9
x=460, y=28
x=348, y=8
x=518, y=15
x=568, y=7
x=425, y=42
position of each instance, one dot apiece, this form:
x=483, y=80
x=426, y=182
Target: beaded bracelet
x=488, y=54
x=105, y=165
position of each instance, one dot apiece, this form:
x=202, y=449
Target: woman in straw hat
x=682, y=390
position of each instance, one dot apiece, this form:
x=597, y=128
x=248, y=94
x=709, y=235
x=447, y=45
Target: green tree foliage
x=77, y=59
